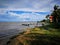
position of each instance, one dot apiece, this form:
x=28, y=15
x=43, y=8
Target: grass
x=45, y=35
x=51, y=31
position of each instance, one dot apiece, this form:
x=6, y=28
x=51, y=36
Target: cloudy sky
x=26, y=10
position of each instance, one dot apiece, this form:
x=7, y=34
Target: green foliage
x=56, y=17
x=47, y=16
x=43, y=20
x=56, y=14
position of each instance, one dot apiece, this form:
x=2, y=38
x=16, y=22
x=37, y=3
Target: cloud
x=29, y=5
x=24, y=15
x=42, y=5
x=26, y=10
x=27, y=16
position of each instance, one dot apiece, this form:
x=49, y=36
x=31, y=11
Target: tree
x=56, y=7
x=56, y=14
x=47, y=17
x=43, y=20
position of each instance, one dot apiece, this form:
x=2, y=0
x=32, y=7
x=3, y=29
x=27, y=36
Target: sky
x=25, y=10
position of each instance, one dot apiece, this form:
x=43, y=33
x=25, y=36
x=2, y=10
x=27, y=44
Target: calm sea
x=9, y=29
